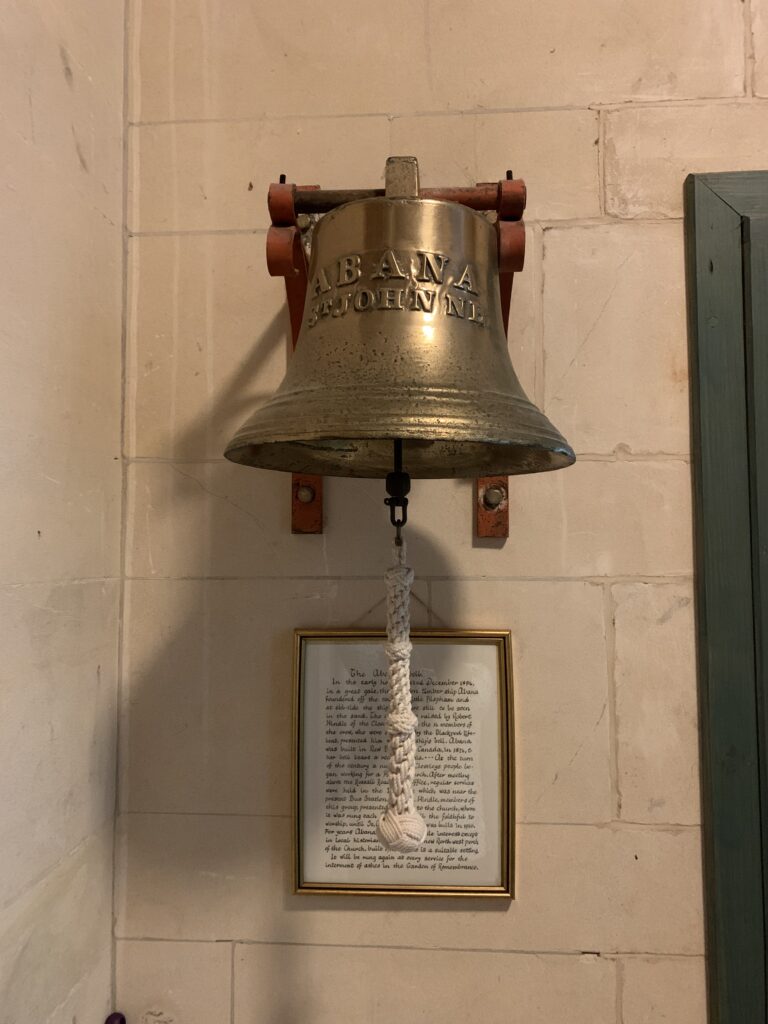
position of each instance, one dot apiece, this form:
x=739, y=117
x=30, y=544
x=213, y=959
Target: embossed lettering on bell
x=410, y=281
x=402, y=337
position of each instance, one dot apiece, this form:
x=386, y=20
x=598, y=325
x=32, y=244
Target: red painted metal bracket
x=492, y=506
x=306, y=503
x=286, y=257
x=491, y=493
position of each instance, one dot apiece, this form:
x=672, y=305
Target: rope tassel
x=400, y=827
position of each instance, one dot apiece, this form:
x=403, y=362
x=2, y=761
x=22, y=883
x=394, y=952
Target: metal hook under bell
x=398, y=486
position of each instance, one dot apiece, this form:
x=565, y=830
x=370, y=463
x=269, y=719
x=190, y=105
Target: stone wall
x=603, y=111
x=61, y=216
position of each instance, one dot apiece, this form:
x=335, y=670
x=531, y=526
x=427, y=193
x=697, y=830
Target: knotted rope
x=400, y=827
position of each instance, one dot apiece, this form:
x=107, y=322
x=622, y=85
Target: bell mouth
x=423, y=459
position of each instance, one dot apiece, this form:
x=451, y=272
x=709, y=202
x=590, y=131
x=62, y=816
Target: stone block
x=55, y=940
x=650, y=150
x=57, y=730
x=656, y=702
x=175, y=982
x=260, y=60
x=60, y=292
x=615, y=346
x=329, y=984
x=607, y=53
x=664, y=990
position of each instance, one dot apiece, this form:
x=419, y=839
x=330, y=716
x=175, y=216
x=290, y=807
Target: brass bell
x=402, y=338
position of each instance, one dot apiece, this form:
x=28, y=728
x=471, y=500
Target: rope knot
x=399, y=577
x=398, y=651
x=401, y=723
x=402, y=833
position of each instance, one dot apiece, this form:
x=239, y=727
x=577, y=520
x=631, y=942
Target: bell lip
x=444, y=415
x=468, y=435
x=329, y=217
x=507, y=461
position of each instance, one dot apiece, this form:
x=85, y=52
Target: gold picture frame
x=319, y=657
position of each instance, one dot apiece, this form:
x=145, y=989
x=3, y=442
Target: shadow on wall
x=207, y=751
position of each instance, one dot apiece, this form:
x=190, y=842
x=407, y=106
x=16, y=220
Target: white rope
x=400, y=827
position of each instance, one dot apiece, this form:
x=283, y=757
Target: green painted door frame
x=726, y=233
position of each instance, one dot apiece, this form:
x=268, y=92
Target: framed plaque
x=461, y=682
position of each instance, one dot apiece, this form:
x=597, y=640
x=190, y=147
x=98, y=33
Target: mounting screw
x=303, y=221
x=493, y=497
x=305, y=494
